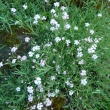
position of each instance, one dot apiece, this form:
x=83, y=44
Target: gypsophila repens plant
x=67, y=64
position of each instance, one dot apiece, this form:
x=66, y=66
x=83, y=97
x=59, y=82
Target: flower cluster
x=84, y=78
x=30, y=90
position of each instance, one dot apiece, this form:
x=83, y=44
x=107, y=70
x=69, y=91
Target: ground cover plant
x=54, y=55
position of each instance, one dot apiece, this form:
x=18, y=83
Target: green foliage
x=67, y=68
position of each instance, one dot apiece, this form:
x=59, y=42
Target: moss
x=57, y=103
x=81, y=3
x=9, y=39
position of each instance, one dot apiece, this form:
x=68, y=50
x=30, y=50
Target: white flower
x=71, y=85
x=33, y=107
x=35, y=22
x=57, y=39
x=1, y=64
x=7, y=102
x=84, y=81
x=13, y=49
x=47, y=102
x=27, y=39
x=57, y=68
x=87, y=24
x=37, y=81
x=83, y=73
x=37, y=55
x=30, y=89
x=79, y=54
x=49, y=44
x=65, y=15
x=99, y=15
x=14, y=60
x=30, y=97
x=54, y=50
x=31, y=54
x=13, y=10
x=16, y=22
x=18, y=57
x=23, y=58
x=81, y=62
x=42, y=62
x=79, y=49
x=94, y=46
x=52, y=11
x=67, y=26
x=94, y=56
x=43, y=18
x=53, y=22
x=96, y=40
x=54, y=62
x=76, y=42
x=88, y=39
x=34, y=60
x=36, y=17
x=76, y=28
x=39, y=106
x=67, y=83
x=22, y=81
x=63, y=8
x=71, y=92
x=36, y=48
x=92, y=32
x=56, y=91
x=33, y=67
x=51, y=94
x=67, y=42
x=46, y=1
x=56, y=4
x=63, y=38
x=52, y=77
x=55, y=15
x=91, y=50
x=57, y=26
x=64, y=72
x=18, y=89
x=40, y=88
x=52, y=29
x=25, y=6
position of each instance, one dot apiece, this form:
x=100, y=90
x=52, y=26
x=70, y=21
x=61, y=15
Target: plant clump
x=56, y=55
